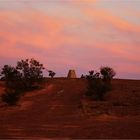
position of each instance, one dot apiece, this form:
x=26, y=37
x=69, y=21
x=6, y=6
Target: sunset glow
x=72, y=34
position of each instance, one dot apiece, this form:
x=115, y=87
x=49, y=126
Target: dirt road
x=56, y=112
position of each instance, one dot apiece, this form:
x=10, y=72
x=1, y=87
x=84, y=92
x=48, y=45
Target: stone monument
x=71, y=74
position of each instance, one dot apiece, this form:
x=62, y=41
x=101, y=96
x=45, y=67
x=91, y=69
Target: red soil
x=61, y=111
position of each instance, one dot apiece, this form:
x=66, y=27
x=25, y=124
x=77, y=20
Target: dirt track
x=56, y=112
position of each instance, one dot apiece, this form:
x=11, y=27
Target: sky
x=72, y=34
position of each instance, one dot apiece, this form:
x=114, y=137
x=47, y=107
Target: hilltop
x=61, y=110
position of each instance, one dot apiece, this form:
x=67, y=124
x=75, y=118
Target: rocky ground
x=60, y=110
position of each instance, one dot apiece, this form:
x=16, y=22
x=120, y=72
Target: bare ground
x=60, y=110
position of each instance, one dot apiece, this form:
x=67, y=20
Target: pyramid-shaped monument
x=71, y=74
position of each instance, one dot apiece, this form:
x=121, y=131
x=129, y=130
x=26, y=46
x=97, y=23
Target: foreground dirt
x=61, y=110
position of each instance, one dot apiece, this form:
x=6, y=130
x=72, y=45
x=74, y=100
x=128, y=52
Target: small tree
x=91, y=72
x=93, y=75
x=31, y=72
x=82, y=76
x=51, y=73
x=25, y=76
x=107, y=73
x=11, y=76
x=95, y=85
x=98, y=85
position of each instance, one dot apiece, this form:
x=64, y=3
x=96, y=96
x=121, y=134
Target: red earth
x=60, y=110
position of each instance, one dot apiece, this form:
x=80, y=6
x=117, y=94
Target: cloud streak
x=82, y=36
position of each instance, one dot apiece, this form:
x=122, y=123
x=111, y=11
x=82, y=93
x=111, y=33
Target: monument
x=71, y=74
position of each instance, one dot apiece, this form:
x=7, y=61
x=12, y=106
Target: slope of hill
x=60, y=110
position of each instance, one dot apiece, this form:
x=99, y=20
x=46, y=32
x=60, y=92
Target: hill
x=60, y=110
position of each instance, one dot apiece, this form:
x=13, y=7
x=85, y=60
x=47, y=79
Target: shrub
x=27, y=75
x=107, y=73
x=11, y=97
x=31, y=73
x=51, y=73
x=98, y=85
x=11, y=76
x=96, y=88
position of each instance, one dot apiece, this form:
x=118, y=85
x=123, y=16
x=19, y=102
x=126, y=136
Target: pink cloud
x=62, y=43
x=105, y=17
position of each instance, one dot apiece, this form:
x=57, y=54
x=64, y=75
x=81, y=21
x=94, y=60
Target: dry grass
x=60, y=110
x=124, y=99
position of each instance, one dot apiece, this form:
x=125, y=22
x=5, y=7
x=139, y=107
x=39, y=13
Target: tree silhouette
x=51, y=73
x=31, y=72
x=107, y=73
x=98, y=85
x=25, y=76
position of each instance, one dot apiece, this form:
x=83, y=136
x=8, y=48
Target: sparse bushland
x=27, y=75
x=99, y=83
